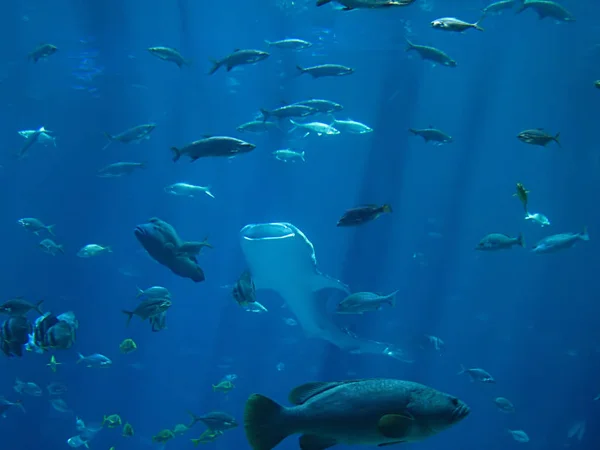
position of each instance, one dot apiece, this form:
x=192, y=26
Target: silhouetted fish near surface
x=362, y=214
x=367, y=412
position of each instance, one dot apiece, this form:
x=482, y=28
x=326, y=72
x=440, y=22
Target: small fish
x=42, y=51
x=557, y=242
x=127, y=346
x=27, y=387
x=55, y=388
x=454, y=24
x=239, y=57
x=288, y=111
x=113, y=421
x=287, y=154
x=504, y=405
x=216, y=421
x=163, y=436
x=133, y=135
x=53, y=364
x=60, y=405
x=545, y=8
x=432, y=54
x=538, y=218
x=361, y=302
x=315, y=127
x=51, y=247
x=188, y=190
x=206, y=437
x=538, y=136
x=289, y=44
x=477, y=375
x=148, y=308
x=128, y=430
x=257, y=126
x=214, y=146
x=43, y=138
x=499, y=241
x=326, y=70
x=180, y=428
x=322, y=106
x=35, y=225
x=350, y=5
x=362, y=214
x=77, y=441
x=519, y=435
x=499, y=6
x=91, y=250
x=223, y=386
x=6, y=404
x=351, y=126
x=521, y=194
x=30, y=140
x=95, y=360
x=244, y=291
x=597, y=84
x=154, y=292
x=18, y=306
x=430, y=134
x=169, y=54
x=120, y=169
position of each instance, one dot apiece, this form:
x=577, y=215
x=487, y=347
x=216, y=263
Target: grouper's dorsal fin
x=304, y=392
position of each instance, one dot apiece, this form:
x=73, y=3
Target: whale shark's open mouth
x=281, y=258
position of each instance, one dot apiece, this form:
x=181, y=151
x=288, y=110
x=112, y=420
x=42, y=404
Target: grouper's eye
x=454, y=401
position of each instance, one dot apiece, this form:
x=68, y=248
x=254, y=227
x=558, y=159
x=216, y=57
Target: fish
x=349, y=5
x=148, y=308
x=216, y=421
x=42, y=51
x=133, y=135
x=239, y=57
x=128, y=430
x=18, y=306
x=60, y=405
x=154, y=292
x=351, y=126
x=55, y=388
x=43, y=138
x=315, y=127
x=127, y=346
x=164, y=245
x=287, y=154
x=562, y=241
x=285, y=112
x=538, y=218
x=244, y=290
x=454, y=24
x=188, y=190
x=361, y=302
x=35, y=225
x=95, y=360
x=158, y=322
x=366, y=412
x=499, y=241
x=504, y=405
x=257, y=126
x=431, y=134
x=289, y=44
x=538, y=136
x=6, y=405
x=14, y=334
x=91, y=250
x=27, y=387
x=322, y=106
x=519, y=435
x=326, y=70
x=545, y=8
x=51, y=247
x=499, y=6
x=120, y=169
x=171, y=55
x=215, y=146
x=363, y=214
x=282, y=259
x=30, y=140
x=476, y=374
x=521, y=194
x=77, y=441
x=432, y=54
x=206, y=437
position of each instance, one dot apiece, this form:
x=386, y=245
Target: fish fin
x=50, y=229
x=129, y=317
x=476, y=24
x=584, y=234
x=389, y=443
x=37, y=307
x=80, y=358
x=195, y=419
x=265, y=114
x=263, y=422
x=556, y=139
x=176, y=154
x=521, y=240
x=216, y=65
x=304, y=392
x=409, y=45
x=312, y=442
x=395, y=425
x=300, y=68
x=462, y=370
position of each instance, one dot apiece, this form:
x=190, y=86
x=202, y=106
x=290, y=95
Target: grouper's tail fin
x=263, y=420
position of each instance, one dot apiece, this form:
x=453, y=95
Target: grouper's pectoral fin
x=312, y=442
x=321, y=281
x=395, y=425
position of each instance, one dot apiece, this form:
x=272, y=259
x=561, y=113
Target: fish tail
x=521, y=240
x=176, y=154
x=108, y=249
x=195, y=442
x=61, y=248
x=521, y=8
x=557, y=139
x=37, y=307
x=269, y=43
x=584, y=236
x=392, y=299
x=409, y=45
x=300, y=69
x=302, y=156
x=195, y=419
x=462, y=370
x=19, y=404
x=80, y=358
x=294, y=127
x=129, y=316
x=265, y=114
x=110, y=138
x=216, y=66
x=263, y=420
x=50, y=229
x=413, y=131
x=386, y=208
x=476, y=24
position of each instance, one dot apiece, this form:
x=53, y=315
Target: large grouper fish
x=369, y=412
x=281, y=258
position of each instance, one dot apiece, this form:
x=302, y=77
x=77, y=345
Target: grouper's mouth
x=461, y=412
x=267, y=231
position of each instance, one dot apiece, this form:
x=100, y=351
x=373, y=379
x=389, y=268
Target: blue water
x=530, y=320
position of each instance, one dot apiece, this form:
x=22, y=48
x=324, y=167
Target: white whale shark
x=281, y=258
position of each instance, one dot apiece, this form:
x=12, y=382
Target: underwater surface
x=217, y=199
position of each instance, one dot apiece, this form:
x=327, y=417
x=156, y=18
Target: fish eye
x=454, y=401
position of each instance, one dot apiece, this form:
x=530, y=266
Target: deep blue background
x=515, y=313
